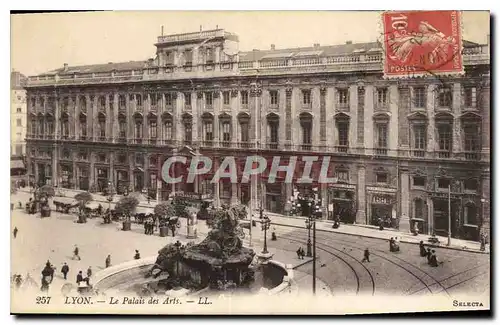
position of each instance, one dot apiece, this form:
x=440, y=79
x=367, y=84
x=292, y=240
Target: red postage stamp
x=419, y=43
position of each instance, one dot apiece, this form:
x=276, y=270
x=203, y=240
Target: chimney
x=348, y=42
x=273, y=47
x=65, y=67
x=316, y=45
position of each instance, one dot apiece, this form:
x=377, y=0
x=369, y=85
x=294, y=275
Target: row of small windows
x=418, y=98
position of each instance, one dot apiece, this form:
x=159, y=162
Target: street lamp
x=309, y=222
x=265, y=222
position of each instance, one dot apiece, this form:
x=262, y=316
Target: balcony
x=418, y=153
x=208, y=143
x=341, y=149
x=226, y=144
x=472, y=155
x=137, y=141
x=306, y=147
x=272, y=145
x=444, y=154
x=342, y=106
x=153, y=141
x=381, y=151
x=122, y=139
x=245, y=145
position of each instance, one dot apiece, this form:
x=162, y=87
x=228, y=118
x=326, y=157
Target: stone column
x=324, y=200
x=369, y=102
x=55, y=165
x=57, y=118
x=353, y=123
x=296, y=105
x=111, y=176
x=130, y=118
x=361, y=213
x=393, y=123
x=457, y=143
x=431, y=127
x=404, y=221
x=282, y=113
x=174, y=153
x=37, y=172
x=255, y=105
x=92, y=169
x=234, y=194
x=430, y=216
x=76, y=118
x=486, y=197
x=484, y=107
x=195, y=109
x=216, y=185
x=90, y=117
x=145, y=121
x=177, y=103
x=146, y=172
x=131, y=162
x=330, y=117
x=217, y=105
x=114, y=122
x=316, y=110
x=75, y=171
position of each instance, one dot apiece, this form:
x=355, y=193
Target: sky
x=43, y=42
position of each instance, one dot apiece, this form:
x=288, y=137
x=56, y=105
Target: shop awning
x=417, y=219
x=144, y=210
x=16, y=164
x=65, y=200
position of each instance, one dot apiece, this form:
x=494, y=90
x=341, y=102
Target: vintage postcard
x=250, y=162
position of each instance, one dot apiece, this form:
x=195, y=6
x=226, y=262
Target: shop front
x=341, y=203
x=441, y=217
x=382, y=206
x=102, y=178
x=273, y=198
x=83, y=177
x=66, y=175
x=122, y=181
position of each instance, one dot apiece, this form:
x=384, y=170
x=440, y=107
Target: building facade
x=18, y=113
x=395, y=146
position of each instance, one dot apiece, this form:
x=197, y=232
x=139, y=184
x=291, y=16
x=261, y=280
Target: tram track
x=422, y=279
x=344, y=260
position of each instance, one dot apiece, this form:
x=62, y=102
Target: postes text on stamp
x=420, y=43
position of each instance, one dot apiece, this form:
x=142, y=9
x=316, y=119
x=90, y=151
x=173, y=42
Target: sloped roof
x=95, y=68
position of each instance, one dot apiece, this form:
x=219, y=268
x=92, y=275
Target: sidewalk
x=373, y=232
x=326, y=226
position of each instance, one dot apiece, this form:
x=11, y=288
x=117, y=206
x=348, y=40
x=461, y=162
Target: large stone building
x=18, y=113
x=395, y=145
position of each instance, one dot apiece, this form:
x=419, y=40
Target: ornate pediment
x=417, y=116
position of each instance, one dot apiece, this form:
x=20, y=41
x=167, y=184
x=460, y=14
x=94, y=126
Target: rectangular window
x=153, y=99
x=342, y=175
x=19, y=110
x=19, y=122
x=444, y=97
x=343, y=97
x=444, y=135
x=470, y=99
x=226, y=132
x=471, y=137
x=187, y=99
x=102, y=102
x=168, y=99
x=419, y=97
x=244, y=132
x=102, y=129
x=139, y=160
x=167, y=129
x=470, y=184
x=225, y=97
x=381, y=135
x=138, y=100
x=343, y=128
x=209, y=99
x=381, y=178
x=420, y=136
x=382, y=97
x=209, y=136
x=83, y=129
x=111, y=100
x=138, y=131
x=306, y=133
x=419, y=181
x=226, y=190
x=188, y=55
x=152, y=130
x=273, y=94
x=65, y=128
x=443, y=183
x=188, y=129
x=244, y=97
x=273, y=132
x=122, y=102
x=306, y=97
x=123, y=129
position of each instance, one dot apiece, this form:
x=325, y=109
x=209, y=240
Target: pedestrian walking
x=366, y=256
x=433, y=259
x=483, y=242
x=137, y=256
x=423, y=252
x=89, y=272
x=15, y=232
x=391, y=244
x=76, y=253
x=79, y=277
x=149, y=200
x=299, y=253
x=108, y=261
x=380, y=224
x=65, y=270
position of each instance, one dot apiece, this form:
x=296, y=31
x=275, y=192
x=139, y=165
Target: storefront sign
x=381, y=189
x=192, y=196
x=381, y=199
x=343, y=186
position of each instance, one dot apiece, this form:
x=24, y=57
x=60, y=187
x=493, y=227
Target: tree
x=83, y=198
x=126, y=206
x=164, y=209
x=46, y=192
x=180, y=208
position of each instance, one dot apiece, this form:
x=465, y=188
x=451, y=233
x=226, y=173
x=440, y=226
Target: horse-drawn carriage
x=65, y=205
x=37, y=205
